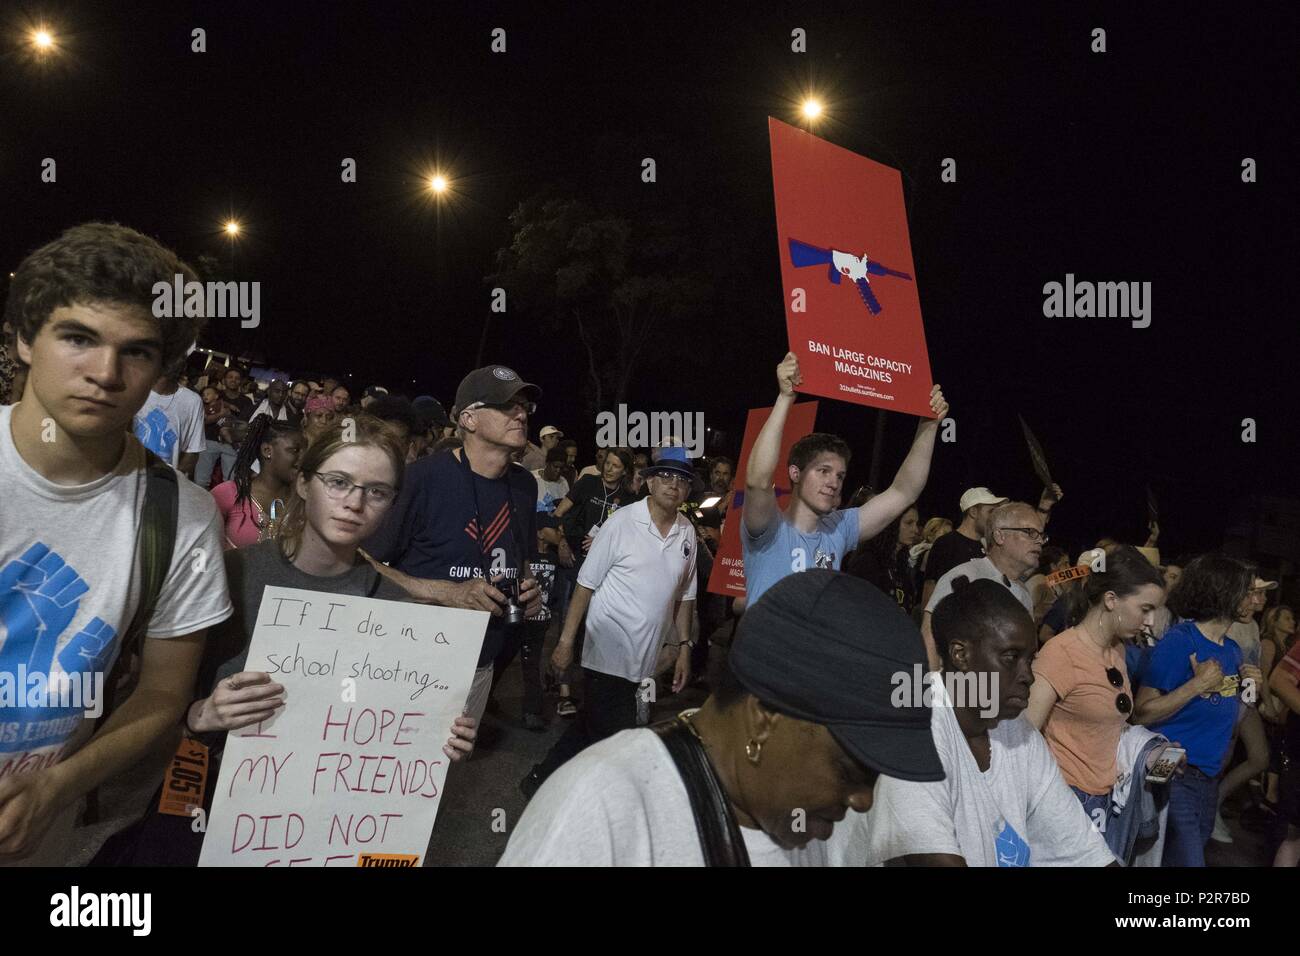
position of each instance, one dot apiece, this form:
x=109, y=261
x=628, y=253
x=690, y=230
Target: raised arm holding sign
x=811, y=532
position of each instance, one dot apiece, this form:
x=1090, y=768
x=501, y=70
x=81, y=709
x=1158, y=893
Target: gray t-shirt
x=1019, y=812
x=250, y=570
x=980, y=568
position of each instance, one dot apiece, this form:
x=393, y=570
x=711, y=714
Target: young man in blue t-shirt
x=1193, y=686
x=811, y=533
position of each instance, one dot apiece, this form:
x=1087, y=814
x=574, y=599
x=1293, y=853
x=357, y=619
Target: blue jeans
x=1192, y=804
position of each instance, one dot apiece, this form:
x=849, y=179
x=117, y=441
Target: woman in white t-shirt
x=793, y=738
x=1002, y=801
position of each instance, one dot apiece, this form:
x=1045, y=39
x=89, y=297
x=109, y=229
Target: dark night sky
x=1119, y=166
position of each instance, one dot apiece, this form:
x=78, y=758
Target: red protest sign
x=853, y=313
x=728, y=575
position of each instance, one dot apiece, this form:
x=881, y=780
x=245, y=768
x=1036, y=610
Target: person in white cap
x=534, y=458
x=966, y=542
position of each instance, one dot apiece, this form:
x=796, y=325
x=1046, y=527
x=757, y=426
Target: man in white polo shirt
x=636, y=588
x=1015, y=539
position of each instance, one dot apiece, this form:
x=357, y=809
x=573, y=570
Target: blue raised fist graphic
x=39, y=596
x=90, y=649
x=156, y=434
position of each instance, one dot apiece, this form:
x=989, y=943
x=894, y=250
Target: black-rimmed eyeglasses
x=1033, y=534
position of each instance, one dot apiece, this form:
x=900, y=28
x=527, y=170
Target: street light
x=438, y=183
x=232, y=229
x=812, y=108
x=42, y=40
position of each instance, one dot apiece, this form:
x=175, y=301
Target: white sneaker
x=1220, y=834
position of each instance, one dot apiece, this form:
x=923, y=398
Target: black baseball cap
x=825, y=647
x=491, y=385
x=430, y=412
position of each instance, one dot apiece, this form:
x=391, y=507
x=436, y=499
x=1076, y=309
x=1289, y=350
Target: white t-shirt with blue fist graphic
x=1019, y=812
x=171, y=425
x=69, y=588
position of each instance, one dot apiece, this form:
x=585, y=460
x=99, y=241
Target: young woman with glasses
x=345, y=485
x=1081, y=698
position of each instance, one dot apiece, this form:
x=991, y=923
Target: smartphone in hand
x=1170, y=760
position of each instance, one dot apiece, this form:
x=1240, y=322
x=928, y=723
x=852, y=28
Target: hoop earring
x=754, y=751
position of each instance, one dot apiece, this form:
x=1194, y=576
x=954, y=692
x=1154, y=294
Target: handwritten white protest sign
x=350, y=771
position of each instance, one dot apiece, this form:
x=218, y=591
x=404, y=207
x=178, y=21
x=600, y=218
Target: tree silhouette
x=621, y=282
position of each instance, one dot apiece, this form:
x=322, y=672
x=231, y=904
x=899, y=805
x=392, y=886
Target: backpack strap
x=720, y=838
x=155, y=542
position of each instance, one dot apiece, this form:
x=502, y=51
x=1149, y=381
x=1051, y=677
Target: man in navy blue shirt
x=462, y=530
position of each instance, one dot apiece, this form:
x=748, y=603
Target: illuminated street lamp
x=438, y=183
x=42, y=40
x=812, y=109
x=232, y=229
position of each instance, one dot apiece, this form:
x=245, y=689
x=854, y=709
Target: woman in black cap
x=792, y=739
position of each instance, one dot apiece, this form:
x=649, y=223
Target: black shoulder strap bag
x=720, y=838
x=157, y=539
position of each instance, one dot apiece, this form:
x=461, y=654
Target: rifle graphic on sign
x=857, y=268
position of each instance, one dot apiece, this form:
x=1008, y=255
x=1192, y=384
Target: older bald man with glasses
x=1014, y=541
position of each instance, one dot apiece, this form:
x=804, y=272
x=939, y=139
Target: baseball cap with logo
x=826, y=648
x=550, y=430
x=491, y=385
x=979, y=496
